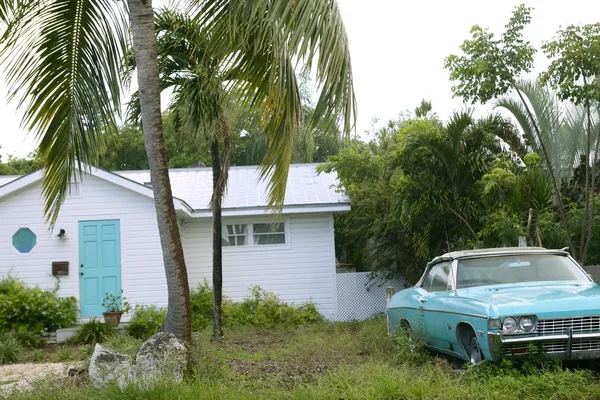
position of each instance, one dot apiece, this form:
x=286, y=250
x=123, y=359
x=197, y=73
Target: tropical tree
x=574, y=70
x=491, y=67
x=62, y=59
x=205, y=85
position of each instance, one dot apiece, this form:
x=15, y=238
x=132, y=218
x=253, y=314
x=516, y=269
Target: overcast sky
x=398, y=49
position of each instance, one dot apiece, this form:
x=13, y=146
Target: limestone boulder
x=162, y=357
x=108, y=366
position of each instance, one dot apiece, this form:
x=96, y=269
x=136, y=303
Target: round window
x=24, y=240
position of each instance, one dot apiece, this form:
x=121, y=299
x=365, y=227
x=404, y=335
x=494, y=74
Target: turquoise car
x=494, y=303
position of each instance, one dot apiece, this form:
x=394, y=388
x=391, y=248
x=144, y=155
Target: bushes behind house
x=260, y=309
x=146, y=321
x=34, y=309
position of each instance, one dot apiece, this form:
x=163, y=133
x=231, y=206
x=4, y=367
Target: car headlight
x=509, y=325
x=527, y=324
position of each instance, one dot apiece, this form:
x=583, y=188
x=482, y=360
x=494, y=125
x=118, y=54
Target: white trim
x=14, y=232
x=257, y=247
x=258, y=211
x=116, y=179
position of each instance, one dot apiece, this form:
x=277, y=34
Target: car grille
x=585, y=345
x=523, y=348
x=559, y=326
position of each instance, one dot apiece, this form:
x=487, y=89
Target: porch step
x=64, y=334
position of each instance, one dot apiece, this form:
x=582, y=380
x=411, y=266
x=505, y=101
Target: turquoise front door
x=99, y=264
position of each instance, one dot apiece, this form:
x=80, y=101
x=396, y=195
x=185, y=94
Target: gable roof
x=306, y=191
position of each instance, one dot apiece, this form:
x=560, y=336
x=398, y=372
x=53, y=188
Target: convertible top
x=496, y=252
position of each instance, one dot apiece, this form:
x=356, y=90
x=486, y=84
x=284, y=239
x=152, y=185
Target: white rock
x=163, y=356
x=107, y=366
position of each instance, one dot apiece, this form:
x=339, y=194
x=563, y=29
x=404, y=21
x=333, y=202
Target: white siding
x=143, y=277
x=302, y=270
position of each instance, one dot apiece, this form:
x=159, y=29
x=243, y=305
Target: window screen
x=268, y=234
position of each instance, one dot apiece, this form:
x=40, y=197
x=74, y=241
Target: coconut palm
x=204, y=87
x=62, y=60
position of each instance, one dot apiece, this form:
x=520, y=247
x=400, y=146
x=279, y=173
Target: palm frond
x=562, y=130
x=258, y=41
x=62, y=60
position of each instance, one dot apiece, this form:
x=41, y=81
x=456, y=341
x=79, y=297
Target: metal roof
x=305, y=189
x=245, y=189
x=4, y=179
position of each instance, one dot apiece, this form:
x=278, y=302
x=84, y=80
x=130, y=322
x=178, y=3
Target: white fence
x=361, y=295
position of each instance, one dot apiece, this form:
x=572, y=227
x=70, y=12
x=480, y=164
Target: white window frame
x=250, y=246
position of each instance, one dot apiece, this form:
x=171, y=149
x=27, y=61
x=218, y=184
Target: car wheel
x=475, y=356
x=410, y=336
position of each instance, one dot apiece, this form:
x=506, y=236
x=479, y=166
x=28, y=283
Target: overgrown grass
x=335, y=361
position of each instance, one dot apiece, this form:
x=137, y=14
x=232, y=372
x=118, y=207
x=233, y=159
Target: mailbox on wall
x=60, y=268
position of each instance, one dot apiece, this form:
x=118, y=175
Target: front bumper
x=567, y=346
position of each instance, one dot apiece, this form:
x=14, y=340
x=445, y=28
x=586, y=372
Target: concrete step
x=64, y=334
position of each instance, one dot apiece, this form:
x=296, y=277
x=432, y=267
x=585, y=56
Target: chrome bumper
x=567, y=346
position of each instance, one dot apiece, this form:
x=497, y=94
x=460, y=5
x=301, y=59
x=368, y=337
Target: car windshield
x=499, y=270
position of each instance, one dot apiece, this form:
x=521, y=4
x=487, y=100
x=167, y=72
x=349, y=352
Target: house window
x=24, y=240
x=235, y=235
x=268, y=233
x=262, y=234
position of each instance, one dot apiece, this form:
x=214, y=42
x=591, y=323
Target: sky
x=398, y=49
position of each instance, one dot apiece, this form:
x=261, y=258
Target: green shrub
x=92, y=332
x=10, y=349
x=260, y=309
x=146, y=321
x=34, y=309
x=27, y=338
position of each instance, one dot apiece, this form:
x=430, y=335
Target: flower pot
x=112, y=318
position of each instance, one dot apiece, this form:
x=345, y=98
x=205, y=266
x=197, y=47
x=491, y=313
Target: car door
x=435, y=290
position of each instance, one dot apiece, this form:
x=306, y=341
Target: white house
x=106, y=236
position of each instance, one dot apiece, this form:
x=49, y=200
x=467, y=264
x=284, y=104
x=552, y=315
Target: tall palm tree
x=62, y=60
x=205, y=83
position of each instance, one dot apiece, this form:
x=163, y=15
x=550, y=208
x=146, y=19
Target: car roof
x=496, y=252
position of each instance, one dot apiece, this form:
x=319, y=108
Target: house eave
x=290, y=209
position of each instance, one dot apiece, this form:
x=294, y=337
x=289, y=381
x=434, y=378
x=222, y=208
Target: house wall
x=301, y=270
x=143, y=277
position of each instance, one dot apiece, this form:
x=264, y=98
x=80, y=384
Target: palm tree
x=62, y=59
x=204, y=85
x=558, y=133
x=462, y=151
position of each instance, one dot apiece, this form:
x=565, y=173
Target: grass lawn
x=334, y=361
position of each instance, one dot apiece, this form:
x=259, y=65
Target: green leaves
x=489, y=67
x=62, y=59
x=261, y=44
x=575, y=66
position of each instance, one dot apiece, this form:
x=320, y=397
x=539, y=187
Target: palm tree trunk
x=217, y=245
x=141, y=18
x=586, y=212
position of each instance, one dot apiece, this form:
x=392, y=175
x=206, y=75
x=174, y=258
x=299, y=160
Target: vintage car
x=509, y=302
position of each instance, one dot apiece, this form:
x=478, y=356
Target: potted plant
x=115, y=306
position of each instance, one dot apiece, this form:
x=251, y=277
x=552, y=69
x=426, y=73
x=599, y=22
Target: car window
x=520, y=268
x=437, y=277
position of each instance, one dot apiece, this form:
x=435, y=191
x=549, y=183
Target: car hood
x=547, y=300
